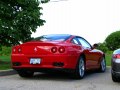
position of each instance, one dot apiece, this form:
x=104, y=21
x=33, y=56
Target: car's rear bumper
x=115, y=66
x=115, y=73
x=46, y=69
x=47, y=62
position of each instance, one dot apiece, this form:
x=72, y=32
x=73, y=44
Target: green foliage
x=102, y=47
x=18, y=19
x=5, y=66
x=113, y=40
x=108, y=56
x=6, y=51
x=5, y=62
x=44, y=1
x=5, y=58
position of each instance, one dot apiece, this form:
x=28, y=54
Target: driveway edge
x=7, y=72
x=12, y=72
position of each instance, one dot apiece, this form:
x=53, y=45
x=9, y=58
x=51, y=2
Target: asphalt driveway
x=92, y=81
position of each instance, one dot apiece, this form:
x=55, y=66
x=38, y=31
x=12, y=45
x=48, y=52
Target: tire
x=115, y=78
x=24, y=73
x=80, y=68
x=102, y=65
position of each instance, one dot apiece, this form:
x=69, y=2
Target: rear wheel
x=80, y=69
x=24, y=73
x=103, y=65
x=115, y=78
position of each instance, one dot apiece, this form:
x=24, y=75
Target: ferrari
x=57, y=52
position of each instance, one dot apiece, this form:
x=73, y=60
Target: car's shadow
x=63, y=76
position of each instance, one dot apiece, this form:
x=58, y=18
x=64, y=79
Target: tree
x=102, y=47
x=113, y=40
x=18, y=19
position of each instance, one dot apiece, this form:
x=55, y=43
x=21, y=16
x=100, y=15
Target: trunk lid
x=37, y=48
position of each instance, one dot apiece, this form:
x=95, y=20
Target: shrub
x=113, y=40
x=102, y=47
x=5, y=51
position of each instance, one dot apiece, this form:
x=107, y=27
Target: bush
x=5, y=51
x=102, y=47
x=113, y=40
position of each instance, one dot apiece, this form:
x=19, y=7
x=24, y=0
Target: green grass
x=5, y=62
x=108, y=58
x=5, y=58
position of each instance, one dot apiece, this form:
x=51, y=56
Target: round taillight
x=14, y=50
x=54, y=50
x=61, y=49
x=19, y=50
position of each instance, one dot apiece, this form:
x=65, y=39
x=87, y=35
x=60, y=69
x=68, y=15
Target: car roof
x=58, y=34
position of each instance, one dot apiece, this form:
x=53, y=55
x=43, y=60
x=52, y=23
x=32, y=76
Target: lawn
x=108, y=60
x=6, y=64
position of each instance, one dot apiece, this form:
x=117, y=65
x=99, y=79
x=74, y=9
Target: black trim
x=46, y=69
x=116, y=73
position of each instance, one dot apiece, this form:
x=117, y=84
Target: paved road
x=92, y=81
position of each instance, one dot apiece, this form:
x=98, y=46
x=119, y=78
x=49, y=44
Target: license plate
x=35, y=61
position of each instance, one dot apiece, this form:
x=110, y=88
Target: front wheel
x=80, y=69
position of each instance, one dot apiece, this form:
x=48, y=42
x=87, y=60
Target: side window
x=74, y=41
x=84, y=43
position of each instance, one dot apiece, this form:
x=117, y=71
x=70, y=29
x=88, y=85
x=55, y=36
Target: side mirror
x=95, y=46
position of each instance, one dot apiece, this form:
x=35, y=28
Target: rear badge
x=35, y=49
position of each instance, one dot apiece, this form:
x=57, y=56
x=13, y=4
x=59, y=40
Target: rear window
x=116, y=51
x=60, y=37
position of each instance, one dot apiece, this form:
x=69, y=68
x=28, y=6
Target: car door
x=90, y=53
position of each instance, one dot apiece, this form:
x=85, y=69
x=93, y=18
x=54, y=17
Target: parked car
x=115, y=70
x=61, y=52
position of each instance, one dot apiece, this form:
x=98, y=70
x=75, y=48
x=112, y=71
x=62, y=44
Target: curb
x=7, y=72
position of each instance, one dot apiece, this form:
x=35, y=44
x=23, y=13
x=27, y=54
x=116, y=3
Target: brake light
x=14, y=50
x=116, y=56
x=19, y=50
x=61, y=49
x=54, y=49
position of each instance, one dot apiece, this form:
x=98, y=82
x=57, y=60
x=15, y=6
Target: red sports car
x=57, y=52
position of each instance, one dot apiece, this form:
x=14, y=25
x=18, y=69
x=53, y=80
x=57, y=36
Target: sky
x=92, y=19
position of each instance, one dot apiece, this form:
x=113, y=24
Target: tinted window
x=84, y=43
x=116, y=51
x=75, y=41
x=61, y=37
